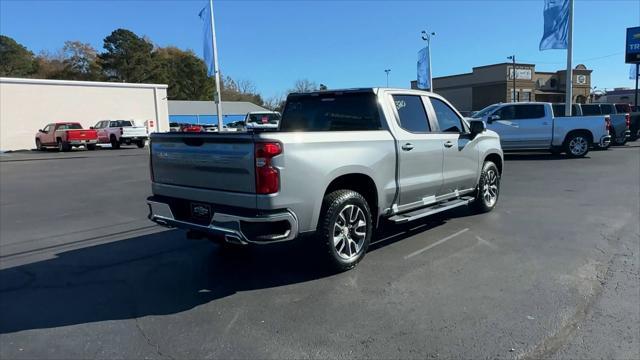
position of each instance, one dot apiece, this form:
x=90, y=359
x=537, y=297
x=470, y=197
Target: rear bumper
x=604, y=141
x=259, y=229
x=132, y=138
x=82, y=142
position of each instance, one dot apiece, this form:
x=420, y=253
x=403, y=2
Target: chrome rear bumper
x=605, y=141
x=230, y=227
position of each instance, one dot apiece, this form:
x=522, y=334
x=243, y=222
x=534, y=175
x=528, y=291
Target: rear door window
x=534, y=111
x=411, y=113
x=623, y=108
x=607, y=109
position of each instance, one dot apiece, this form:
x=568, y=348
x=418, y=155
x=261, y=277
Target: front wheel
x=115, y=144
x=39, y=145
x=488, y=188
x=577, y=145
x=345, y=228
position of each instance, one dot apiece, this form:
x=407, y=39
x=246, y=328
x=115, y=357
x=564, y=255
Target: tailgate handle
x=193, y=141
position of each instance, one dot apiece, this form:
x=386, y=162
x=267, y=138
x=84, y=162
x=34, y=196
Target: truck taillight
x=607, y=121
x=627, y=120
x=267, y=176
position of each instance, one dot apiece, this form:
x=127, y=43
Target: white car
x=262, y=120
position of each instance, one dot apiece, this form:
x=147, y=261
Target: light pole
x=426, y=36
x=513, y=57
x=387, y=71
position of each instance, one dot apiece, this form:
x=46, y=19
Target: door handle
x=448, y=144
x=407, y=147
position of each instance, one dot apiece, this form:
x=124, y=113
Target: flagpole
x=569, y=91
x=218, y=98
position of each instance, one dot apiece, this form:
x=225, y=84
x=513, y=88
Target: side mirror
x=40, y=130
x=477, y=127
x=493, y=118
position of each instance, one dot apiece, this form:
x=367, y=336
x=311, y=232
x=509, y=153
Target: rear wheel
x=115, y=144
x=488, y=188
x=91, y=147
x=63, y=146
x=619, y=141
x=140, y=144
x=577, y=145
x=345, y=228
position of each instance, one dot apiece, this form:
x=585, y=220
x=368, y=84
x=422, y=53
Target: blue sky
x=339, y=43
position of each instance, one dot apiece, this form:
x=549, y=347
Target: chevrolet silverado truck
x=120, y=132
x=341, y=163
x=620, y=121
x=533, y=126
x=64, y=136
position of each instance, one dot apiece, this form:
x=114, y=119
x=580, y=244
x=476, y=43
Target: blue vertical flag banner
x=632, y=72
x=423, y=69
x=207, y=38
x=556, y=25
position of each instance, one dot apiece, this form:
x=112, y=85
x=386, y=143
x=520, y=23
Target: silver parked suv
x=340, y=162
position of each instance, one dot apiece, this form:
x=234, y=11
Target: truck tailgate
x=81, y=134
x=209, y=161
x=134, y=131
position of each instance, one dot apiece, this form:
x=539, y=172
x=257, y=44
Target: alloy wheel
x=578, y=145
x=349, y=231
x=490, y=188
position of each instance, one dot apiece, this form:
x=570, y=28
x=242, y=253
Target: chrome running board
x=431, y=210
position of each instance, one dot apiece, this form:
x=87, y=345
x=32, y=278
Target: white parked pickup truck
x=121, y=132
x=532, y=126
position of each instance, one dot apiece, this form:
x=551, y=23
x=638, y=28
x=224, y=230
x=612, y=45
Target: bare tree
x=246, y=86
x=304, y=85
x=275, y=103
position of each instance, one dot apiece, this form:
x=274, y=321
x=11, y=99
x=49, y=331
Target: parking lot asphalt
x=552, y=272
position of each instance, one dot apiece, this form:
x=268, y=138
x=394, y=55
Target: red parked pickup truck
x=66, y=135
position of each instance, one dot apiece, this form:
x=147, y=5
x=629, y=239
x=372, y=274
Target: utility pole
x=426, y=36
x=218, y=98
x=637, y=74
x=513, y=74
x=387, y=71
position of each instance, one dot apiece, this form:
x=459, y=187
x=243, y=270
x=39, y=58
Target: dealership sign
x=632, y=53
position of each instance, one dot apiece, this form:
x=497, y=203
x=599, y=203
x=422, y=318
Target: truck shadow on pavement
x=156, y=274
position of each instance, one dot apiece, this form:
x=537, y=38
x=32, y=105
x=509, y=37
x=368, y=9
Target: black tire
x=140, y=144
x=63, y=146
x=349, y=251
x=577, y=144
x=615, y=141
x=39, y=145
x=115, y=144
x=488, y=191
x=91, y=147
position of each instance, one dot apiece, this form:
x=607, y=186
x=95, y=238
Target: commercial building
x=490, y=84
x=618, y=95
x=206, y=112
x=27, y=105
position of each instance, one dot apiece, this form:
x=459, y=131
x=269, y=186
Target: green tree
x=15, y=59
x=127, y=57
x=184, y=72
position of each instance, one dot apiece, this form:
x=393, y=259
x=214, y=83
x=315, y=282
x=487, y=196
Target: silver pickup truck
x=533, y=126
x=341, y=163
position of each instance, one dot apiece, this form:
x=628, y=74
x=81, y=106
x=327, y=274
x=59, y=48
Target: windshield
x=267, y=118
x=484, y=112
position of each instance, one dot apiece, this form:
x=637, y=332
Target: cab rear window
x=331, y=112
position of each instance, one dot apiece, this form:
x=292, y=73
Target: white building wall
x=27, y=105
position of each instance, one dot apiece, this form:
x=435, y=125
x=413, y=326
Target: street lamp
x=513, y=57
x=426, y=36
x=387, y=71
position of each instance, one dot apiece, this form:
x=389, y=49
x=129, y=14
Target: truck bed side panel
x=563, y=125
x=312, y=160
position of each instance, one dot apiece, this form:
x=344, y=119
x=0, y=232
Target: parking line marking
x=483, y=241
x=418, y=252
